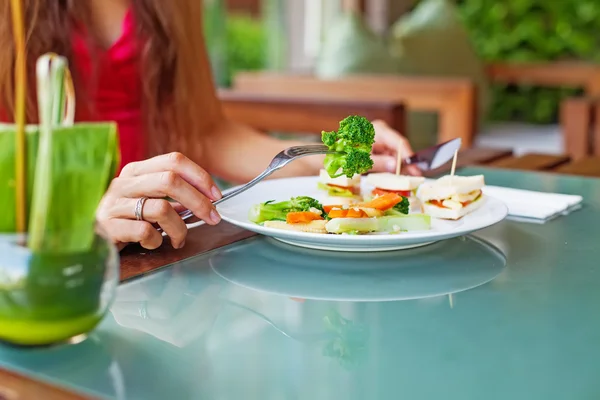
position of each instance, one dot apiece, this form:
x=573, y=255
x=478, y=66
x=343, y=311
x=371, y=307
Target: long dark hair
x=179, y=98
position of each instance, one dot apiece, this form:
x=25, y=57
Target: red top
x=114, y=87
x=116, y=91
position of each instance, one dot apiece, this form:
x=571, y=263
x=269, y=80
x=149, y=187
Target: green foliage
x=403, y=206
x=246, y=45
x=532, y=31
x=240, y=46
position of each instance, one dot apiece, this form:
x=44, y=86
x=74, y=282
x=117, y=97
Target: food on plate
x=352, y=144
x=340, y=190
x=403, y=185
x=387, y=202
x=385, y=224
x=341, y=211
x=271, y=211
x=384, y=214
x=311, y=227
x=452, y=197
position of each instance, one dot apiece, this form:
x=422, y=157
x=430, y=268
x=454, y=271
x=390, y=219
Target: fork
x=279, y=161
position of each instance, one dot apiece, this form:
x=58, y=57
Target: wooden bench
x=579, y=116
x=454, y=99
x=312, y=115
x=549, y=74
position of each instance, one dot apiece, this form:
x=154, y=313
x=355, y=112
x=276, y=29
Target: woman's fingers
x=180, y=165
x=393, y=140
x=130, y=231
x=163, y=184
x=155, y=211
x=388, y=143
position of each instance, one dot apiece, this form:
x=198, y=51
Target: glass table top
x=510, y=312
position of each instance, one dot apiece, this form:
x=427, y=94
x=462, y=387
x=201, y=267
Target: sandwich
x=403, y=185
x=452, y=197
x=341, y=190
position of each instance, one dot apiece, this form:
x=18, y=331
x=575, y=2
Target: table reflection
x=436, y=270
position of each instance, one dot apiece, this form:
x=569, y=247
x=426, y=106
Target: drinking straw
x=19, y=115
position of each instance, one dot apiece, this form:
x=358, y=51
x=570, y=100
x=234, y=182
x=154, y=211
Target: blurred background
x=530, y=66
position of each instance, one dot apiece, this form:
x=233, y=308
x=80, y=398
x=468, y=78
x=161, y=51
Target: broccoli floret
x=400, y=208
x=352, y=143
x=403, y=206
x=270, y=211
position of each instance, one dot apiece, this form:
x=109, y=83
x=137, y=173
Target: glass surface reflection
x=439, y=269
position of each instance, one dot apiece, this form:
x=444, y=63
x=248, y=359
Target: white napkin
x=530, y=206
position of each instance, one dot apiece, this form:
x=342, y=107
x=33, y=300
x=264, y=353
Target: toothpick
x=454, y=163
x=453, y=166
x=398, y=162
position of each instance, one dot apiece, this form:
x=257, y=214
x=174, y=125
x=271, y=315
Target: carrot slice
x=356, y=213
x=384, y=202
x=302, y=217
x=381, y=192
x=437, y=203
x=327, y=209
x=337, y=213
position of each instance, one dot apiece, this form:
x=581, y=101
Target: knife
x=435, y=156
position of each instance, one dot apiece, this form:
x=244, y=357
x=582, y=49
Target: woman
x=143, y=64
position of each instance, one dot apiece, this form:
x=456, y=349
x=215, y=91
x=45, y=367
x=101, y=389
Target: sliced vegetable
x=271, y=211
x=391, y=224
x=384, y=202
x=406, y=223
x=381, y=192
x=372, y=212
x=302, y=217
x=311, y=227
x=356, y=213
x=337, y=213
x=336, y=191
x=352, y=212
x=437, y=203
x=349, y=225
x=328, y=208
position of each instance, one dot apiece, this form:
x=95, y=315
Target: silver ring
x=139, y=207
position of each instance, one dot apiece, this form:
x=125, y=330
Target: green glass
x=49, y=296
x=507, y=313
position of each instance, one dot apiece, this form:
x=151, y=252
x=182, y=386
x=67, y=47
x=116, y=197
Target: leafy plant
x=246, y=45
x=238, y=46
x=532, y=31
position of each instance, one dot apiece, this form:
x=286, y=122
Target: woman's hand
x=387, y=144
x=172, y=175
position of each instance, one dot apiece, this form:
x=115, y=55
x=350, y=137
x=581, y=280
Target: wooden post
x=358, y=6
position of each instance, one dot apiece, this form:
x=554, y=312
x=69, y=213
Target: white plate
x=235, y=211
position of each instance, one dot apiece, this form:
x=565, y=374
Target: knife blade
x=435, y=156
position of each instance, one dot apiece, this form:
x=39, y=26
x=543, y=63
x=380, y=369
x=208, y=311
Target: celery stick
x=391, y=224
x=347, y=225
x=410, y=222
